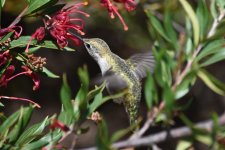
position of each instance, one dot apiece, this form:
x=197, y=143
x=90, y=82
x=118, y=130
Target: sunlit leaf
x=219, y=56
x=207, y=140
x=194, y=20
x=2, y=3
x=213, y=9
x=183, y=145
x=203, y=17
x=213, y=83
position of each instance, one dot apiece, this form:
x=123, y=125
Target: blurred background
x=123, y=43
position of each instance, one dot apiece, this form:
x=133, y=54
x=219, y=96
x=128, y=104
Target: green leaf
x=49, y=73
x=150, y=91
x=213, y=9
x=8, y=123
x=220, y=4
x=23, y=40
x=194, y=20
x=24, y=118
x=32, y=133
x=6, y=37
x=214, y=58
x=157, y=25
x=98, y=100
x=66, y=96
x=2, y=3
x=94, y=92
x=207, y=140
x=183, y=145
x=203, y=18
x=81, y=97
x=213, y=83
x=211, y=48
x=103, y=141
x=44, y=141
x=185, y=86
x=36, y=5
x=168, y=25
x=168, y=97
x=121, y=133
x=66, y=117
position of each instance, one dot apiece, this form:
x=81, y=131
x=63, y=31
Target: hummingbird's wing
x=142, y=63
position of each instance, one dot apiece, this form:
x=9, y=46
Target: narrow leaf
x=213, y=83
x=157, y=25
x=66, y=96
x=49, y=73
x=33, y=132
x=194, y=20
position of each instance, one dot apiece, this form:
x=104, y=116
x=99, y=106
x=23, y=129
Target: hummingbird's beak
x=77, y=36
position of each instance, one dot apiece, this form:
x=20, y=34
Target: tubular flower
x=58, y=124
x=60, y=24
x=5, y=77
x=8, y=76
x=5, y=31
x=129, y=5
x=4, y=57
x=33, y=76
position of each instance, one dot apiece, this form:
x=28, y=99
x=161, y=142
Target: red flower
x=33, y=76
x=8, y=76
x=39, y=35
x=5, y=31
x=4, y=57
x=129, y=5
x=58, y=124
x=60, y=24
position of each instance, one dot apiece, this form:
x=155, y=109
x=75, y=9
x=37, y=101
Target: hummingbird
x=121, y=75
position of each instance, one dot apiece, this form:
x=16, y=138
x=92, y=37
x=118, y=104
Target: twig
x=164, y=135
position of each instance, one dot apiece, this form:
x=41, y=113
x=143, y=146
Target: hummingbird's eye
x=88, y=45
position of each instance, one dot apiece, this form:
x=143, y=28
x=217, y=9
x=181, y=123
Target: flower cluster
x=8, y=74
x=60, y=24
x=112, y=9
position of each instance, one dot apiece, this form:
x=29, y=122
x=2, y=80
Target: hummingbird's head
x=96, y=47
